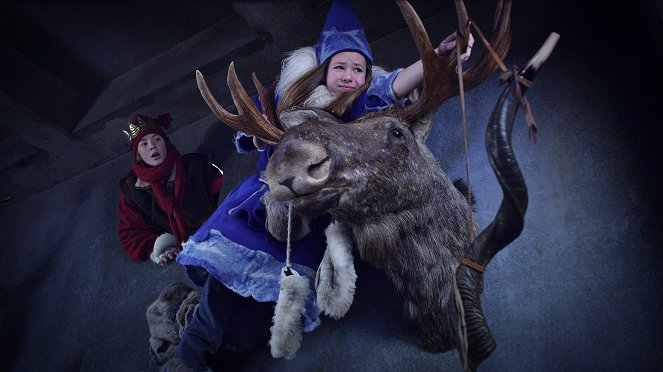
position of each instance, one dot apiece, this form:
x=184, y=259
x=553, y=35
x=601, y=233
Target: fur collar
x=300, y=61
x=294, y=65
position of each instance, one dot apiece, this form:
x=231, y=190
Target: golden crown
x=134, y=129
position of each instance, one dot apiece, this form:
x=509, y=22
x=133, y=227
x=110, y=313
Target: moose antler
x=440, y=82
x=249, y=119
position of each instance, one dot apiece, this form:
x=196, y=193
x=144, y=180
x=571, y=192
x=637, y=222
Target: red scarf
x=171, y=204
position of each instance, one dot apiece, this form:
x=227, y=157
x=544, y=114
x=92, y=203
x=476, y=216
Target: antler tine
x=266, y=98
x=267, y=130
x=440, y=81
x=500, y=41
x=438, y=71
x=248, y=119
x=463, y=25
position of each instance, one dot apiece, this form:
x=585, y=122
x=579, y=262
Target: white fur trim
x=336, y=277
x=161, y=245
x=300, y=61
x=287, y=328
x=294, y=65
x=320, y=98
x=377, y=71
x=142, y=185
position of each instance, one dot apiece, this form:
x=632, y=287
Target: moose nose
x=288, y=183
x=309, y=176
x=297, y=170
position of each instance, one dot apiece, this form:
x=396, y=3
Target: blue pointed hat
x=342, y=32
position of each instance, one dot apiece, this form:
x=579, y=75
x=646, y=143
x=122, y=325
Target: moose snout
x=298, y=170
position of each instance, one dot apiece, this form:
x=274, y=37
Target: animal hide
x=336, y=277
x=287, y=328
x=277, y=220
x=167, y=317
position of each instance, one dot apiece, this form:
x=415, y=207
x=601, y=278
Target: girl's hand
x=259, y=142
x=449, y=44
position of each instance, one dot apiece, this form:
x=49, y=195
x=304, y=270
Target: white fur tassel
x=336, y=277
x=287, y=328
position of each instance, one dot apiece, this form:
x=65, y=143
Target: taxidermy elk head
x=377, y=176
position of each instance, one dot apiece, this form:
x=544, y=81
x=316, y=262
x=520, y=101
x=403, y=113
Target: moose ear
x=421, y=126
x=296, y=116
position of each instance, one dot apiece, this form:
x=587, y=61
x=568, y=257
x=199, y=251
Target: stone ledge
x=211, y=44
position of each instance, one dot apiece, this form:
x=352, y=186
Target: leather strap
x=469, y=263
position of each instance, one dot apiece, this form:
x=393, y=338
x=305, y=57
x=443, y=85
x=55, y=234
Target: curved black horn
x=508, y=222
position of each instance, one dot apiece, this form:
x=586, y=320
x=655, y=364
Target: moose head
x=377, y=175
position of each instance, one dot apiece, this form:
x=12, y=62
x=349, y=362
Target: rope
x=524, y=103
x=489, y=47
x=462, y=326
x=459, y=70
x=289, y=248
x=508, y=75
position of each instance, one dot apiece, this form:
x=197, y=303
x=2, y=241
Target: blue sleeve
x=380, y=94
x=244, y=141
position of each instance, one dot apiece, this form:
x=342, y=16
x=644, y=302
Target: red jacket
x=137, y=230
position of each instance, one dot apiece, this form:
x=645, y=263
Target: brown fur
x=277, y=220
x=407, y=217
x=377, y=176
x=167, y=318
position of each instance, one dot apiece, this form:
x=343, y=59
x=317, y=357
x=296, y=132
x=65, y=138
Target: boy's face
x=152, y=149
x=346, y=72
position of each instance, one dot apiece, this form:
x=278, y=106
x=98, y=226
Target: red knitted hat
x=142, y=125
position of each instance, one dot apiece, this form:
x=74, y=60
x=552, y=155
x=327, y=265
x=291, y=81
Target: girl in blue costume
x=232, y=255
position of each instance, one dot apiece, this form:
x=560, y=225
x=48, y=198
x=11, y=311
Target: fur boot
x=167, y=318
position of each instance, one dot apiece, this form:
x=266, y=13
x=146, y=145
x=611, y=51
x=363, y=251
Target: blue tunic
x=236, y=249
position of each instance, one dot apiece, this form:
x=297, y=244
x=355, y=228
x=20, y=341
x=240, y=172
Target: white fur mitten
x=287, y=328
x=163, y=244
x=336, y=277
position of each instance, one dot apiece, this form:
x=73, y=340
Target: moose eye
x=396, y=133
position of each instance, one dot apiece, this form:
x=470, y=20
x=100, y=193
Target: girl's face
x=346, y=72
x=152, y=149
